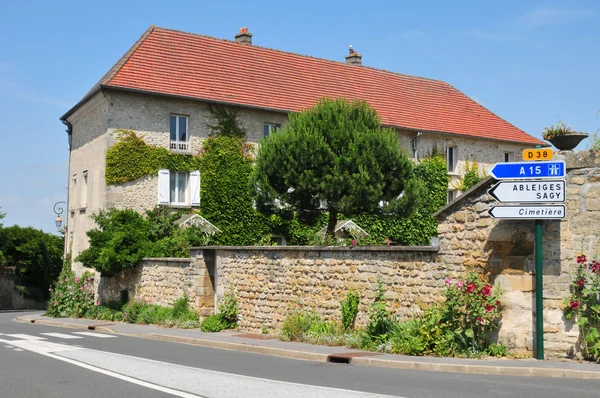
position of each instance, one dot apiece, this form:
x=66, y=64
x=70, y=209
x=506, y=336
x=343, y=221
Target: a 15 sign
x=537, y=154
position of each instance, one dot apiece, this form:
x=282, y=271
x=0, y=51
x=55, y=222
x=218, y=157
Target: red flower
x=498, y=303
x=574, y=304
x=470, y=287
x=581, y=259
x=580, y=282
x=486, y=291
x=354, y=242
x=479, y=319
x=489, y=308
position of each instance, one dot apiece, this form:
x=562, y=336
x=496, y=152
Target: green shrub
x=153, y=315
x=181, y=307
x=297, y=324
x=213, y=323
x=228, y=310
x=133, y=310
x=350, y=309
x=379, y=318
x=72, y=296
x=497, y=350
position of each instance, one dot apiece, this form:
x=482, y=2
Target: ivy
x=226, y=200
x=132, y=158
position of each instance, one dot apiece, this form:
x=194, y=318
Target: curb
x=316, y=357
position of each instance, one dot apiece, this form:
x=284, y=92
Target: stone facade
x=94, y=131
x=162, y=281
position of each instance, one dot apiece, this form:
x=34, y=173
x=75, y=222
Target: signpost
x=528, y=170
x=538, y=154
x=543, y=191
x=540, y=183
x=513, y=212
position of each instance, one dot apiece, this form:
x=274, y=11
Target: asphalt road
x=35, y=364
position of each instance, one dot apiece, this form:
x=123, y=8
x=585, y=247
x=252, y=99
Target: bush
x=379, y=318
x=349, y=309
x=154, y=315
x=72, y=296
x=181, y=307
x=295, y=325
x=213, y=323
x=133, y=310
x=228, y=310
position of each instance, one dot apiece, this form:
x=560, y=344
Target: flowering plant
x=72, y=296
x=554, y=131
x=472, y=309
x=583, y=305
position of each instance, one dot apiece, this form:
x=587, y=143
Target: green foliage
x=226, y=167
x=497, y=350
x=131, y=158
x=350, y=309
x=298, y=323
x=418, y=228
x=104, y=313
x=228, y=310
x=379, y=318
x=132, y=311
x=181, y=306
x=36, y=255
x=227, y=122
x=583, y=306
x=337, y=155
x=124, y=237
x=213, y=323
x=72, y=296
x=471, y=177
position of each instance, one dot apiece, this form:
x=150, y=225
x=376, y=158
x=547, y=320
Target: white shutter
x=163, y=186
x=195, y=188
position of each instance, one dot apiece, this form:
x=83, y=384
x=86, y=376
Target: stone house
x=162, y=86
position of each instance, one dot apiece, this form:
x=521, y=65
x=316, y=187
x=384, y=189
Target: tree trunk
x=332, y=222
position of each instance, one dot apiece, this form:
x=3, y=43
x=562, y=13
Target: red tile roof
x=190, y=65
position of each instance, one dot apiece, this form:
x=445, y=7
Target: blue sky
x=530, y=62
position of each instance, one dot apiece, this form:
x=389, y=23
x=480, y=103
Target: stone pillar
x=203, y=261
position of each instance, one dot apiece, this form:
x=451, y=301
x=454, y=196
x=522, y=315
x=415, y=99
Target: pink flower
x=448, y=281
x=489, y=308
x=354, y=242
x=480, y=319
x=460, y=285
x=581, y=259
x=388, y=241
x=56, y=303
x=97, y=303
x=470, y=287
x=81, y=288
x=76, y=280
x=574, y=304
x=487, y=290
x=580, y=282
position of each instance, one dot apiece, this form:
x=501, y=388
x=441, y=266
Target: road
x=42, y=361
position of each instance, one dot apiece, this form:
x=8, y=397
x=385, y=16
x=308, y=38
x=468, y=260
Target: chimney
x=353, y=58
x=244, y=37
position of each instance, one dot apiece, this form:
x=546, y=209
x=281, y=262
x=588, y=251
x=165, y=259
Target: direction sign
x=538, y=154
x=547, y=212
x=528, y=170
x=529, y=191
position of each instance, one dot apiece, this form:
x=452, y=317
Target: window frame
x=84, y=190
x=451, y=195
x=175, y=176
x=510, y=156
x=177, y=144
x=270, y=128
x=452, y=166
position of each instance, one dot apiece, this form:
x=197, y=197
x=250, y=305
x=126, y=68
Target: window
x=180, y=140
x=451, y=195
x=178, y=188
x=451, y=158
x=84, y=189
x=271, y=128
x=509, y=157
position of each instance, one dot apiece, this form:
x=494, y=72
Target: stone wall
x=11, y=299
x=269, y=281
x=504, y=249
x=162, y=281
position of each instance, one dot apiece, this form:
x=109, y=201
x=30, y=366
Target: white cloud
x=544, y=16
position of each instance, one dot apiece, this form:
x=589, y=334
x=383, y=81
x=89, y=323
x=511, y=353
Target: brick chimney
x=353, y=58
x=244, y=37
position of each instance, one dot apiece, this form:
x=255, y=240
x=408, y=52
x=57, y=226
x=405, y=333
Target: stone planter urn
x=567, y=142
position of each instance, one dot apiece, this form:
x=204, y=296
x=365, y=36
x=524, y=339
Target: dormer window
x=180, y=138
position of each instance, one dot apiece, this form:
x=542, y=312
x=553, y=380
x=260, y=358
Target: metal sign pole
x=539, y=303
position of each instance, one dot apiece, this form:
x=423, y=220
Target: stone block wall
x=162, y=281
x=270, y=281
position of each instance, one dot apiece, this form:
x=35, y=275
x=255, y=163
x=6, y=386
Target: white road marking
x=17, y=349
x=62, y=336
x=94, y=334
x=25, y=337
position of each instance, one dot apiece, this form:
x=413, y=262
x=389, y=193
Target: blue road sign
x=528, y=170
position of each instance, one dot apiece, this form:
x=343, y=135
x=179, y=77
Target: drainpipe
x=414, y=146
x=70, y=138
